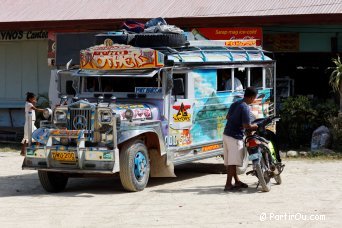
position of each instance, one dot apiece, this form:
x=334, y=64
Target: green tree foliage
x=300, y=116
x=336, y=78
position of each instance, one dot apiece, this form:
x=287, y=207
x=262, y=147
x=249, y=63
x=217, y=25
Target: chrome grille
x=80, y=119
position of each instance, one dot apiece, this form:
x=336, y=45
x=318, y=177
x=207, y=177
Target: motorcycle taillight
x=252, y=143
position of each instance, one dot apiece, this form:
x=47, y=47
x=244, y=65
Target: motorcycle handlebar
x=265, y=121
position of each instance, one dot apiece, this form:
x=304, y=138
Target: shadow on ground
x=28, y=184
x=207, y=190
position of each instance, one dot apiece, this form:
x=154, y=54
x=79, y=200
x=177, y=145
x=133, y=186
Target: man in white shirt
x=227, y=80
x=237, y=84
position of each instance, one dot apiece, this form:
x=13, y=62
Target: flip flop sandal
x=231, y=189
x=240, y=184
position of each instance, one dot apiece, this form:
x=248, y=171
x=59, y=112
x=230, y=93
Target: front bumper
x=85, y=159
x=77, y=159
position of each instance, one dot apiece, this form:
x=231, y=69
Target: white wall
x=23, y=68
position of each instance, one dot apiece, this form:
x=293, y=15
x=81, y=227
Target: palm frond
x=336, y=75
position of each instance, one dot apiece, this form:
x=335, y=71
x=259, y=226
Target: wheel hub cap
x=140, y=164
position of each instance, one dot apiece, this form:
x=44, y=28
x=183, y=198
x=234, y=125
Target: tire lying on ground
x=159, y=40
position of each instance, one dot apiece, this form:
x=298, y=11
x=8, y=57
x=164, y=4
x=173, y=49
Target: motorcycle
x=263, y=152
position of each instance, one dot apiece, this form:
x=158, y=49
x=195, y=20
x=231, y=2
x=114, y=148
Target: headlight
x=105, y=116
x=60, y=115
x=47, y=113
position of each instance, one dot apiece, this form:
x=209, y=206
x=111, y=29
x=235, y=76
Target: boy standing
x=238, y=119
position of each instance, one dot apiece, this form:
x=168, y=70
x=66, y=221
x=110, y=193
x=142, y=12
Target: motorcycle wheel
x=278, y=179
x=263, y=177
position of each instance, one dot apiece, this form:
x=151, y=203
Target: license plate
x=63, y=156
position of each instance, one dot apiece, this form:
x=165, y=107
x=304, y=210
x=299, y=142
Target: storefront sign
x=23, y=35
x=103, y=57
x=227, y=34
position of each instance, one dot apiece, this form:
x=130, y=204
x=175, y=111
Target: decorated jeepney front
x=84, y=133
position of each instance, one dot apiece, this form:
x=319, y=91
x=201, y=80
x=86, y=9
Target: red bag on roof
x=133, y=26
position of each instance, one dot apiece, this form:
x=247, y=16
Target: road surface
x=310, y=196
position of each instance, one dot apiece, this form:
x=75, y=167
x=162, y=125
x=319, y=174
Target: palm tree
x=336, y=79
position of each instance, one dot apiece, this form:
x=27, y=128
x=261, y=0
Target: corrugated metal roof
x=59, y=10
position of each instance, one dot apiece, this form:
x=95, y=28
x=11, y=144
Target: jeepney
x=139, y=112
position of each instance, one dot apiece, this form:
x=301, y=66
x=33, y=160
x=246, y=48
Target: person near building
x=30, y=109
x=238, y=119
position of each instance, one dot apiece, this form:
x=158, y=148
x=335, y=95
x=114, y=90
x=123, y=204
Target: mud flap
x=116, y=167
x=159, y=168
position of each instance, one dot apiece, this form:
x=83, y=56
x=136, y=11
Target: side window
x=222, y=77
x=256, y=77
x=240, y=75
x=225, y=82
x=65, y=85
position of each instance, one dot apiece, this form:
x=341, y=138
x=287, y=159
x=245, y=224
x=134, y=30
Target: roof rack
x=204, y=54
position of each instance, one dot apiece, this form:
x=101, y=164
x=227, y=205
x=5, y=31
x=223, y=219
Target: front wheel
x=263, y=177
x=52, y=181
x=134, y=166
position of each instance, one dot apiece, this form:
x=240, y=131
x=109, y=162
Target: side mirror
x=169, y=82
x=69, y=88
x=178, y=86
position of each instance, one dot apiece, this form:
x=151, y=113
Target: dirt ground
x=310, y=196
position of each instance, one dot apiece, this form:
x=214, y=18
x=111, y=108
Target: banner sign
x=118, y=57
x=23, y=35
x=231, y=33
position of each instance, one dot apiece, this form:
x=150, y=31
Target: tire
x=278, y=179
x=134, y=166
x=265, y=182
x=52, y=181
x=159, y=40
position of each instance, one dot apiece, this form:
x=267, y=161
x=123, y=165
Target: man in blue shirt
x=238, y=119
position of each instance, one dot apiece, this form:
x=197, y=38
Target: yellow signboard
x=117, y=57
x=241, y=43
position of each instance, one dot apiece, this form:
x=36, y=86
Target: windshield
x=121, y=84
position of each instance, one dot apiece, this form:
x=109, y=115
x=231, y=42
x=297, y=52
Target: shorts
x=233, y=151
